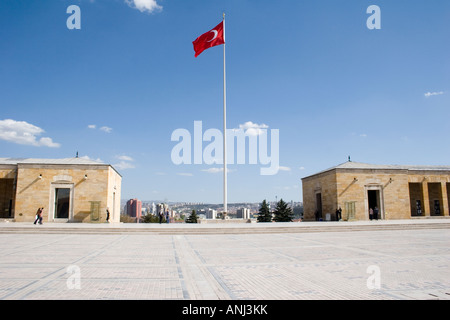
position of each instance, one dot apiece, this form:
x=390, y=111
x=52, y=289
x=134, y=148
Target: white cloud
x=122, y=165
x=48, y=142
x=363, y=135
x=125, y=158
x=22, y=132
x=284, y=168
x=89, y=158
x=213, y=170
x=144, y=5
x=302, y=168
x=124, y=162
x=185, y=174
x=253, y=129
x=106, y=129
x=217, y=170
x=429, y=94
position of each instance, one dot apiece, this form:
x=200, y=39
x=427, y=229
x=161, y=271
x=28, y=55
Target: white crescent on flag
x=215, y=35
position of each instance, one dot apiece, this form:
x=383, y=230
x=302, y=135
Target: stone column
x=444, y=199
x=426, y=199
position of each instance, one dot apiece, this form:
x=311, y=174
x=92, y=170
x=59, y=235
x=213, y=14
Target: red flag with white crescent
x=209, y=39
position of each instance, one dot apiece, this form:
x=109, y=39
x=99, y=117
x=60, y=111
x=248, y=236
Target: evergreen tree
x=149, y=218
x=264, y=214
x=192, y=218
x=282, y=212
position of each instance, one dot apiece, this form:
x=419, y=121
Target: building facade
x=243, y=213
x=69, y=190
x=134, y=208
x=398, y=192
x=211, y=214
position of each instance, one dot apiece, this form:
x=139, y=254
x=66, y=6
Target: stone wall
x=349, y=188
x=325, y=184
x=90, y=185
x=392, y=189
x=114, y=194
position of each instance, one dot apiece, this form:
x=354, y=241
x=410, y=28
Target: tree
x=192, y=218
x=264, y=214
x=282, y=212
x=150, y=218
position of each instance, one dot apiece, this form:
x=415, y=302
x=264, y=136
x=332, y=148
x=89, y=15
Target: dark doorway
x=62, y=202
x=448, y=195
x=437, y=208
x=373, y=197
x=416, y=199
x=318, y=212
x=435, y=196
x=6, y=198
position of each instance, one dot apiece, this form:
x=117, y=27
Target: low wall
x=219, y=221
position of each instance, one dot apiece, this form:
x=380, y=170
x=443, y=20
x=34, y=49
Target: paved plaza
x=372, y=264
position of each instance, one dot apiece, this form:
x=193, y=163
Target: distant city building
x=211, y=214
x=243, y=213
x=207, y=213
x=201, y=213
x=134, y=208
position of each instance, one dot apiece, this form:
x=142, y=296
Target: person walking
x=107, y=214
x=167, y=217
x=370, y=213
x=38, y=216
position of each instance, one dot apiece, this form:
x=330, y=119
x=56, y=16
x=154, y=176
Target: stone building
x=69, y=190
x=398, y=191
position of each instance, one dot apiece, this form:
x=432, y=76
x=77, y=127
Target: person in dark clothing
x=338, y=214
x=39, y=216
x=107, y=214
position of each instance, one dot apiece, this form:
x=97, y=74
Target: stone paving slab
x=412, y=264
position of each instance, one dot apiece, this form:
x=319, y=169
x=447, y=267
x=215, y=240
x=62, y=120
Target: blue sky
x=117, y=88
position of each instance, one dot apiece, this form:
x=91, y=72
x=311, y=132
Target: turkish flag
x=209, y=39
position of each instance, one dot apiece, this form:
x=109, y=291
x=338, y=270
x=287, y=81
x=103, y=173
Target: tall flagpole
x=225, y=209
